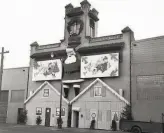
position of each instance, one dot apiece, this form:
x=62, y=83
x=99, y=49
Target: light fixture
x=52, y=55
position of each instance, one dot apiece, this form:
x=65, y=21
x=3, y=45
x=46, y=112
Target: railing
x=106, y=38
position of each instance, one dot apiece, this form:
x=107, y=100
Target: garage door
x=103, y=113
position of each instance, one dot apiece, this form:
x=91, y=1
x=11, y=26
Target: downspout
x=27, y=82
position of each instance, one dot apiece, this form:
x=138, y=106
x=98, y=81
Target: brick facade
x=148, y=79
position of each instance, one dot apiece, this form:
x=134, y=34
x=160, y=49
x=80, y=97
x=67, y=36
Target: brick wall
x=148, y=68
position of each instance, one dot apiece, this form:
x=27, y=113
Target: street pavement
x=9, y=128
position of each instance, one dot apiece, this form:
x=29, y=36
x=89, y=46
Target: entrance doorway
x=76, y=119
x=20, y=112
x=47, y=116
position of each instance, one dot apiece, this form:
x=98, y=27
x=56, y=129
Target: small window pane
x=58, y=112
x=46, y=93
x=97, y=91
x=38, y=111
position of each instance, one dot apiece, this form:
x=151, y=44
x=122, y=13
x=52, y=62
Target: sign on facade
x=104, y=65
x=47, y=70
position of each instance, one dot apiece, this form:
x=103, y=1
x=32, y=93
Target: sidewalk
x=83, y=130
x=39, y=129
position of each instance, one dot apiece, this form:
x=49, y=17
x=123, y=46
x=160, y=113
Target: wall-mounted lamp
x=52, y=55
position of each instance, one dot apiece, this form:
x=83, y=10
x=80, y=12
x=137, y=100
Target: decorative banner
x=93, y=114
x=47, y=70
x=105, y=65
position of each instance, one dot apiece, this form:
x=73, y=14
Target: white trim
x=73, y=81
x=76, y=86
x=65, y=86
x=104, y=84
x=39, y=88
x=76, y=109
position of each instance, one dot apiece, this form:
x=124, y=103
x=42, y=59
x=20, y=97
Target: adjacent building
x=148, y=79
x=13, y=94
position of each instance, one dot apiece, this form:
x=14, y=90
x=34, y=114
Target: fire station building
x=93, y=73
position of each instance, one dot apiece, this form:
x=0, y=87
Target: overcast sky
x=25, y=21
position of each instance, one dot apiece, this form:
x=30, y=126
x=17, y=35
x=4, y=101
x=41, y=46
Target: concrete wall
x=45, y=102
x=148, y=60
x=103, y=106
x=14, y=79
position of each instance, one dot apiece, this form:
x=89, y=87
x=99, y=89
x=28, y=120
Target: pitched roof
x=40, y=87
x=104, y=84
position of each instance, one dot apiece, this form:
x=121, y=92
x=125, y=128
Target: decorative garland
x=77, y=20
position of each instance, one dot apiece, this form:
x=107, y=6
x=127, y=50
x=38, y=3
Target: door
x=75, y=119
x=93, y=116
x=47, y=116
x=20, y=112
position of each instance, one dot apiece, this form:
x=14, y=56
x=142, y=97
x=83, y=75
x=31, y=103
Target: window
x=58, y=112
x=46, y=93
x=97, y=91
x=38, y=111
x=115, y=115
x=92, y=28
x=75, y=28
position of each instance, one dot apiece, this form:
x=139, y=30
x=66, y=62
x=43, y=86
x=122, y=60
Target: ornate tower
x=80, y=23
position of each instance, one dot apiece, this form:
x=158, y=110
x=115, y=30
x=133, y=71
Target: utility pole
x=1, y=70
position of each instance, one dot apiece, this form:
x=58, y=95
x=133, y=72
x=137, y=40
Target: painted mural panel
x=104, y=65
x=47, y=70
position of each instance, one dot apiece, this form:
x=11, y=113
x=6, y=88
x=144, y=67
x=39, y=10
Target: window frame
x=59, y=111
x=48, y=93
x=99, y=91
x=38, y=113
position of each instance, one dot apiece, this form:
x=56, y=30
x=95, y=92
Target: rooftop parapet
x=106, y=38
